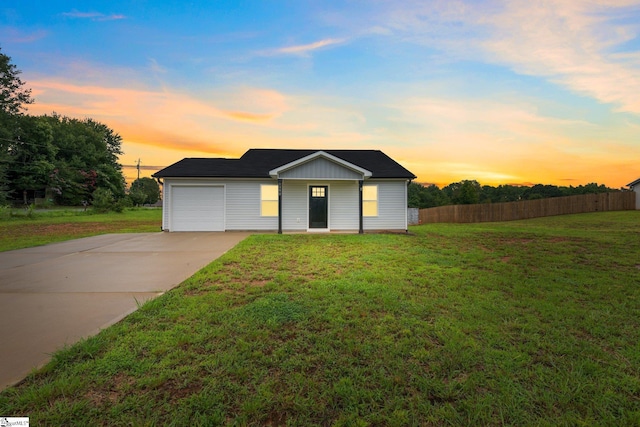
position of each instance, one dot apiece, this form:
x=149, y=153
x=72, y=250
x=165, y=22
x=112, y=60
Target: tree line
x=61, y=160
x=468, y=192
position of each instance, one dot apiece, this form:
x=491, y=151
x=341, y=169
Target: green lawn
x=522, y=323
x=18, y=230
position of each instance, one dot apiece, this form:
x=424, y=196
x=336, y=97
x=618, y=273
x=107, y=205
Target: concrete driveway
x=54, y=295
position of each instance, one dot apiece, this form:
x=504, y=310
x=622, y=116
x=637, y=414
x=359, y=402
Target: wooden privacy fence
x=619, y=201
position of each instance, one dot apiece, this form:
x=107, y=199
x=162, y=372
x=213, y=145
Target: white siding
x=295, y=205
x=320, y=168
x=166, y=202
x=344, y=205
x=392, y=206
x=243, y=206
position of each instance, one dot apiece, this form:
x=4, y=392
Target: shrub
x=137, y=196
x=122, y=203
x=5, y=212
x=103, y=200
x=149, y=189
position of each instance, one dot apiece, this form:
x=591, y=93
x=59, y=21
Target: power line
x=146, y=168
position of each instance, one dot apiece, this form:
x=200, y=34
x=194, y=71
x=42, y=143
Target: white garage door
x=197, y=208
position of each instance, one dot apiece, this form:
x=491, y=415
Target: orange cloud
x=448, y=140
x=220, y=123
x=441, y=140
x=172, y=123
x=137, y=133
x=100, y=100
x=250, y=117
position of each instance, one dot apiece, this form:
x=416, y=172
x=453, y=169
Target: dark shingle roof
x=256, y=163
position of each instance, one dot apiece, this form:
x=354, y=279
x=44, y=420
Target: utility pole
x=138, y=167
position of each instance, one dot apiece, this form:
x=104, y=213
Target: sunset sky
x=504, y=92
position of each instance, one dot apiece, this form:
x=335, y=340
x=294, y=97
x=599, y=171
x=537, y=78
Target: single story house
x=635, y=186
x=286, y=190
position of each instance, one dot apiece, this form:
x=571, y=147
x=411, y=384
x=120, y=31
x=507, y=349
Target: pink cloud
x=13, y=35
x=304, y=49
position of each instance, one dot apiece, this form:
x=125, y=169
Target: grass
x=38, y=228
x=532, y=322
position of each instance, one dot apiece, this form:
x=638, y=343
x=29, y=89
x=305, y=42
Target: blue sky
x=499, y=91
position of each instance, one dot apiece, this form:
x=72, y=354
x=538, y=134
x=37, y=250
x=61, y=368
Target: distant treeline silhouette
x=470, y=192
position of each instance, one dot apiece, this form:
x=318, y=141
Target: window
x=370, y=200
x=317, y=191
x=269, y=200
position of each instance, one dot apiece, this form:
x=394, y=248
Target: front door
x=318, y=206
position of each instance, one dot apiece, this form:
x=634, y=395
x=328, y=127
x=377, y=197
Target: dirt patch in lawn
x=78, y=229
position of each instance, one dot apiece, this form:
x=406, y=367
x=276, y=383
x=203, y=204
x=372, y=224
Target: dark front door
x=318, y=206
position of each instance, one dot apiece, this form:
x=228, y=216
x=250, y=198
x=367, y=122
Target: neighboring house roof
x=634, y=183
x=258, y=163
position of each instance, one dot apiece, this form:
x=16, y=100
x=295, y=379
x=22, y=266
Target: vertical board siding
x=392, y=207
x=525, y=209
x=320, y=168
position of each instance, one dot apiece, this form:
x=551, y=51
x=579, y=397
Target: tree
x=426, y=197
x=464, y=192
x=470, y=191
x=6, y=138
x=103, y=200
x=13, y=95
x=508, y=193
x=540, y=191
x=67, y=158
x=148, y=188
x=137, y=196
x=108, y=147
x=87, y=159
x=32, y=157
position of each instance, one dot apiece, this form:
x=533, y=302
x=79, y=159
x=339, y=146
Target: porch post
x=361, y=230
x=279, y=206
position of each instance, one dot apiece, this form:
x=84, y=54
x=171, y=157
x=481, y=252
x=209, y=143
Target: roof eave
x=634, y=183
